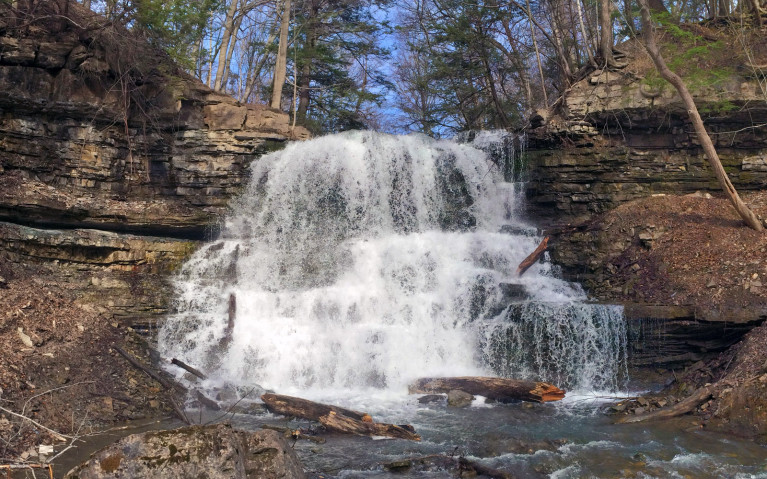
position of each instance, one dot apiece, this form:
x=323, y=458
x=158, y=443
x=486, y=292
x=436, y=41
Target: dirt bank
x=693, y=252
x=56, y=366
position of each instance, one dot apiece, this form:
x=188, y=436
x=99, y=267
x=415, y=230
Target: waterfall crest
x=364, y=260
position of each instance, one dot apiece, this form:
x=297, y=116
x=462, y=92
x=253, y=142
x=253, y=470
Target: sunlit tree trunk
x=230, y=49
x=606, y=40
x=651, y=46
x=224, y=48
x=537, y=55
x=282, y=57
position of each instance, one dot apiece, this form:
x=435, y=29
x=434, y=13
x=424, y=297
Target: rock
x=513, y=292
x=456, y=398
x=431, y=398
x=3, y=283
x=213, y=452
x=25, y=338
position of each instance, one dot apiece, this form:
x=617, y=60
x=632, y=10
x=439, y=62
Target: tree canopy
x=433, y=66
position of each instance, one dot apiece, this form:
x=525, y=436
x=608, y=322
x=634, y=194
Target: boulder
x=211, y=452
x=456, y=398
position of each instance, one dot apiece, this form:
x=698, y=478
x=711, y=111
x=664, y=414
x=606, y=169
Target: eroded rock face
x=615, y=141
x=77, y=151
x=115, y=170
x=211, y=452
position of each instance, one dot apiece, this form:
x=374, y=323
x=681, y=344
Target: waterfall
x=363, y=260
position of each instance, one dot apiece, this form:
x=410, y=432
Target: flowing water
x=356, y=263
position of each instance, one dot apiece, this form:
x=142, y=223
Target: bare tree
x=676, y=81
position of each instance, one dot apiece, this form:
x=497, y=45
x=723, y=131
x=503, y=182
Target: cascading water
x=363, y=260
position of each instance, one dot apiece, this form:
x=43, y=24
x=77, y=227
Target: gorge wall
x=113, y=161
x=614, y=142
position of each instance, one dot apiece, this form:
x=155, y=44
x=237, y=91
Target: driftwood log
x=530, y=260
x=303, y=408
x=341, y=423
x=499, y=389
x=682, y=407
x=336, y=418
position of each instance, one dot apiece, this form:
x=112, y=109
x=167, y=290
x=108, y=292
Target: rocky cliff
x=605, y=168
x=614, y=138
x=111, y=157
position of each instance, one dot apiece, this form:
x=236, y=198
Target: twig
x=56, y=434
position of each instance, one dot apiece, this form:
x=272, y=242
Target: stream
x=358, y=262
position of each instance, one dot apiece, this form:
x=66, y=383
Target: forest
x=430, y=66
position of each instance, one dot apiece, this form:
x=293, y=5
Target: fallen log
x=303, y=408
x=499, y=389
x=682, y=407
x=188, y=368
x=530, y=260
x=345, y=424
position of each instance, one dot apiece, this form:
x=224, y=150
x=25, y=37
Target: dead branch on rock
x=499, y=389
x=341, y=423
x=530, y=260
x=682, y=407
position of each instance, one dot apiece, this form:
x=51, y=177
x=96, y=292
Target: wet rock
x=456, y=398
x=431, y=398
x=213, y=452
x=513, y=291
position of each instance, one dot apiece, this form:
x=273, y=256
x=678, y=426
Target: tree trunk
x=586, y=42
x=341, y=423
x=230, y=49
x=303, y=408
x=499, y=389
x=224, y=48
x=705, y=140
x=282, y=58
x=537, y=56
x=606, y=35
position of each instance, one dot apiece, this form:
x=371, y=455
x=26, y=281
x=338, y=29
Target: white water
x=362, y=261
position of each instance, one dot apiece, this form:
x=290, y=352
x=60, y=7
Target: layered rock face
x=113, y=159
x=76, y=150
x=616, y=140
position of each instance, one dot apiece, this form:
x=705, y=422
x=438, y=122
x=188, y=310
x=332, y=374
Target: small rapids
x=363, y=261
